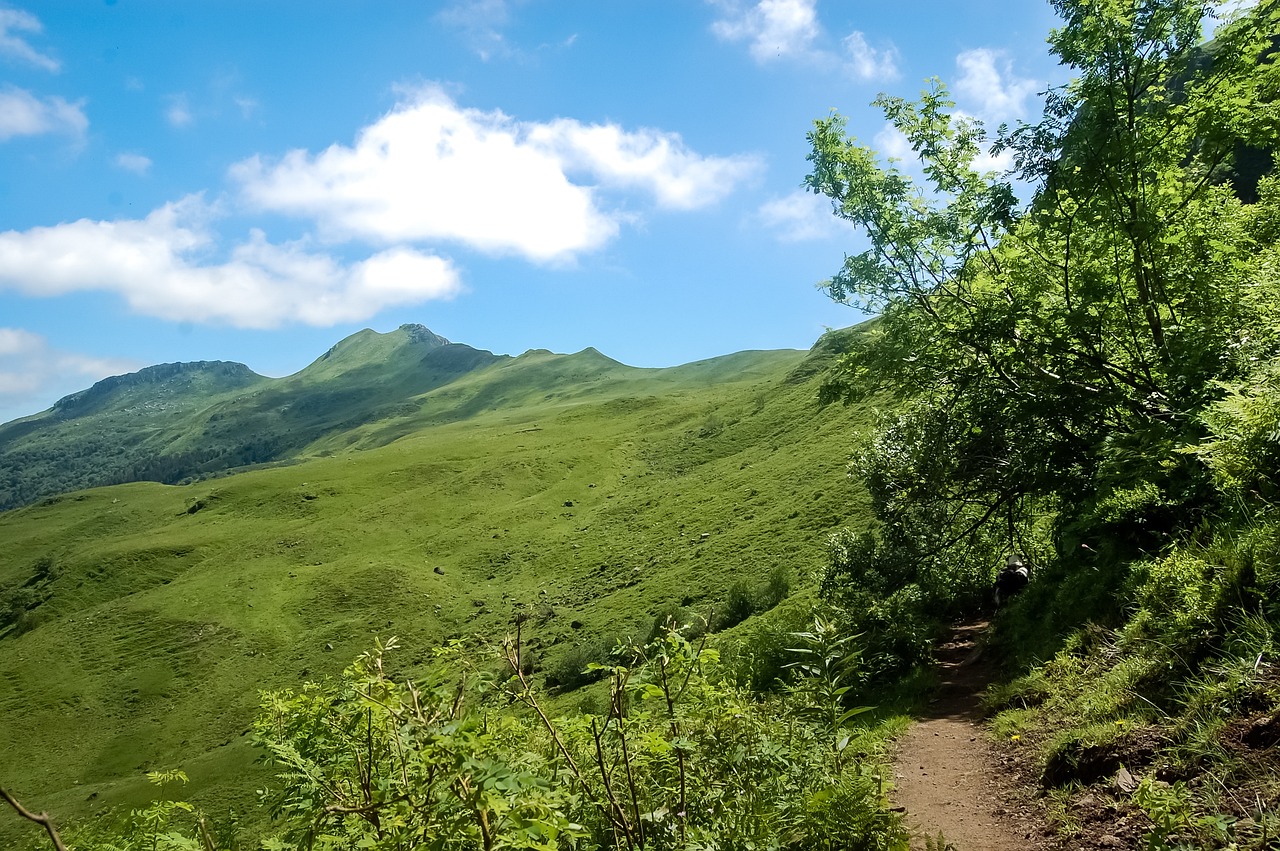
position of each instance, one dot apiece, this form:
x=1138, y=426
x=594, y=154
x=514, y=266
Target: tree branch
x=42, y=819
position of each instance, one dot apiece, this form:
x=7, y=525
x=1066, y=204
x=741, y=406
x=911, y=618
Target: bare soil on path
x=951, y=778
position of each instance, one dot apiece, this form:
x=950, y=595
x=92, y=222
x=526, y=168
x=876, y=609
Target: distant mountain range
x=182, y=421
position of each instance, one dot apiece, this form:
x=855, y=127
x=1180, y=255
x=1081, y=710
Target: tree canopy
x=1086, y=368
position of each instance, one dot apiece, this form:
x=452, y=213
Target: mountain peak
x=422, y=334
x=198, y=377
x=369, y=346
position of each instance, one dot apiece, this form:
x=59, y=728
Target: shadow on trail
x=963, y=674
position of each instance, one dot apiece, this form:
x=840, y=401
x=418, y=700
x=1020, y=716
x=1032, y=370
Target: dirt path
x=949, y=775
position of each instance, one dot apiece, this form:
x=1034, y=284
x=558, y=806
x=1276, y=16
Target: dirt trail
x=949, y=775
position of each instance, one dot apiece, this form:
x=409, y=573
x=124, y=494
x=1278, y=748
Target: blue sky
x=253, y=181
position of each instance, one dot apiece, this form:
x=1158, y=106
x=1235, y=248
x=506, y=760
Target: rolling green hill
x=174, y=422
x=144, y=618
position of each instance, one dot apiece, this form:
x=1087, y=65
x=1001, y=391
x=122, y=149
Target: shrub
x=738, y=606
x=573, y=669
x=676, y=759
x=776, y=589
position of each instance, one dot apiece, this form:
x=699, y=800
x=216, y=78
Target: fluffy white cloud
x=773, y=29
x=790, y=29
x=24, y=114
x=161, y=266
x=431, y=170
x=16, y=47
x=136, y=163
x=33, y=373
x=866, y=62
x=988, y=82
x=648, y=160
x=802, y=217
x=15, y=341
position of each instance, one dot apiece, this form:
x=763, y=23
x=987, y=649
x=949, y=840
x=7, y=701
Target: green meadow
x=587, y=494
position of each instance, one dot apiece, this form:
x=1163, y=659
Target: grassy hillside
x=173, y=422
x=594, y=493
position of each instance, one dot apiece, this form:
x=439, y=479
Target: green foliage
x=882, y=596
x=829, y=664
x=938, y=843
x=682, y=759
x=776, y=588
x=165, y=824
x=756, y=656
x=678, y=760
x=1175, y=825
x=377, y=764
x=1242, y=445
x=19, y=604
x=673, y=617
x=1181, y=592
x=744, y=599
x=1087, y=378
x=738, y=606
x=578, y=665
x=15, y=603
x=1191, y=670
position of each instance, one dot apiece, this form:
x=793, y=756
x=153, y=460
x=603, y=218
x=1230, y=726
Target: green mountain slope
x=177, y=421
x=595, y=494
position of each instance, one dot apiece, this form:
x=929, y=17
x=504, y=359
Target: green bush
x=14, y=603
x=573, y=669
x=677, y=759
x=738, y=606
x=776, y=589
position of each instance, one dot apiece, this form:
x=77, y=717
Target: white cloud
x=774, y=29
x=892, y=142
x=431, y=170
x=24, y=114
x=866, y=62
x=481, y=23
x=15, y=47
x=988, y=81
x=136, y=163
x=802, y=217
x=162, y=266
x=791, y=30
x=178, y=112
x=15, y=341
x=648, y=160
x=33, y=373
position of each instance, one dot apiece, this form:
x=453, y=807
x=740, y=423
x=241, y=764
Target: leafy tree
x=1062, y=353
